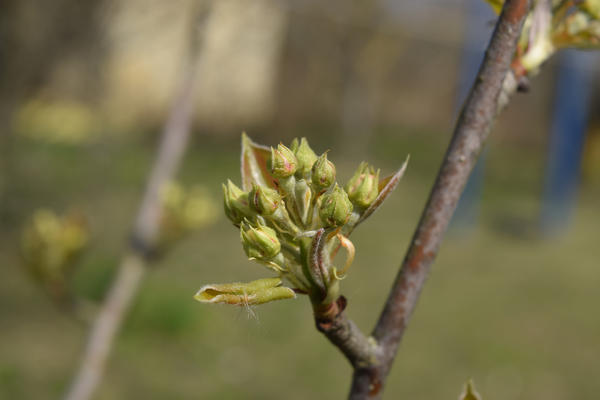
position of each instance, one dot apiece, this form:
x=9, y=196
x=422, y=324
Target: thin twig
x=132, y=269
x=470, y=133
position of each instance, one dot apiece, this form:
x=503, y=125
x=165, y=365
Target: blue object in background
x=567, y=136
x=478, y=31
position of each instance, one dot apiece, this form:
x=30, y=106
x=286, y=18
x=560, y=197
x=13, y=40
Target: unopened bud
x=264, y=200
x=335, y=207
x=306, y=157
x=283, y=162
x=323, y=172
x=235, y=202
x=260, y=243
x=294, y=145
x=363, y=187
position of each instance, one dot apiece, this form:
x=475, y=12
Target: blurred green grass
x=503, y=305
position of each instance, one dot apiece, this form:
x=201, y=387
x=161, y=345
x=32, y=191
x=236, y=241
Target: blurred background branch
x=146, y=230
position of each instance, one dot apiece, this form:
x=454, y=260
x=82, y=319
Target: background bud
x=264, y=200
x=283, y=162
x=260, y=242
x=335, y=207
x=363, y=187
x=306, y=157
x=235, y=202
x=294, y=145
x=323, y=172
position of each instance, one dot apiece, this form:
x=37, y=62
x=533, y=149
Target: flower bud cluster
x=49, y=246
x=294, y=217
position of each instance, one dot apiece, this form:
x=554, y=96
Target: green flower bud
x=363, y=187
x=335, y=207
x=260, y=243
x=236, y=204
x=264, y=200
x=306, y=157
x=294, y=145
x=283, y=162
x=323, y=172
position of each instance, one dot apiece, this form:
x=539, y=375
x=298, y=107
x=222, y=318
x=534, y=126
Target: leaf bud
x=335, y=207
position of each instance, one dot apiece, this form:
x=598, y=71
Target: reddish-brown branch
x=470, y=133
x=372, y=358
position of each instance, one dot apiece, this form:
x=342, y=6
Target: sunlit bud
x=260, y=243
x=235, y=202
x=263, y=199
x=306, y=157
x=323, y=172
x=363, y=187
x=335, y=207
x=283, y=162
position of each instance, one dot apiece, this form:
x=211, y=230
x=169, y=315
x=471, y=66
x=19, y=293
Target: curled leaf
x=349, y=246
x=250, y=293
x=317, y=270
x=254, y=164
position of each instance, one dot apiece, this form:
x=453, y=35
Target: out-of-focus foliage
x=58, y=122
x=50, y=245
x=185, y=209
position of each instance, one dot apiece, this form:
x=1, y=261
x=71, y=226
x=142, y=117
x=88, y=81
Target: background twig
x=132, y=269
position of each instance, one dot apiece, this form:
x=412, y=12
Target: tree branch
x=132, y=269
x=372, y=358
x=485, y=100
x=345, y=335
